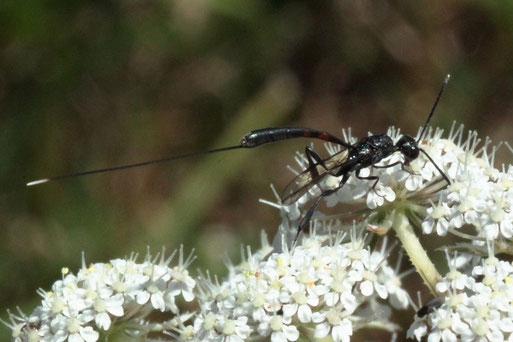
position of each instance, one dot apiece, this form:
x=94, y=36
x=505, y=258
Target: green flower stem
x=416, y=252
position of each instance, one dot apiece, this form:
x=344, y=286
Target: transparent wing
x=312, y=176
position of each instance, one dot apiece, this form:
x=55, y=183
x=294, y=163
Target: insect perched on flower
x=368, y=151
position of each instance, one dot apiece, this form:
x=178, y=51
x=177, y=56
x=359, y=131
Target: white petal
x=263, y=328
x=506, y=325
x=389, y=194
x=427, y=226
x=59, y=336
x=157, y=301
x=115, y=305
x=233, y=338
x=142, y=297
x=366, y=288
x=381, y=290
x=278, y=336
x=507, y=229
x=417, y=329
x=88, y=334
x=289, y=309
x=471, y=217
x=434, y=336
x=322, y=330
x=342, y=332
x=291, y=332
x=188, y=295
x=103, y=321
x=448, y=336
x=304, y=314
x=492, y=231
x=331, y=298
x=87, y=315
x=75, y=338
x=442, y=287
x=115, y=310
x=312, y=300
x=318, y=317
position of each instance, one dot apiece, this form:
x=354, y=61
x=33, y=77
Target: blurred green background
x=92, y=84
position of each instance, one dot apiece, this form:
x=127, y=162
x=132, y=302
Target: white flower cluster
x=480, y=195
x=103, y=297
x=476, y=307
x=320, y=288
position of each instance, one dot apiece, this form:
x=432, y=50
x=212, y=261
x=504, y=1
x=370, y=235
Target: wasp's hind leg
x=306, y=219
x=313, y=160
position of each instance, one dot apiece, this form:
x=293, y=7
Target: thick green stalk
x=415, y=251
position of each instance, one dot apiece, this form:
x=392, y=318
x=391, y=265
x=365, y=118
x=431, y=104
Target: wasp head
x=408, y=147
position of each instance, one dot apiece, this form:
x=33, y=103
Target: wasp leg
x=306, y=219
x=312, y=156
x=313, y=160
x=403, y=167
x=370, y=178
x=391, y=165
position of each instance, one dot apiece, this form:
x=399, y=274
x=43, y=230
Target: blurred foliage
x=91, y=84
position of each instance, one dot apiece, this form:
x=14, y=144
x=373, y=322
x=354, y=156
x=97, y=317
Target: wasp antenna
x=444, y=83
x=131, y=166
x=437, y=167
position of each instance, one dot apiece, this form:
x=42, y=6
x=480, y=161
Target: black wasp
x=367, y=152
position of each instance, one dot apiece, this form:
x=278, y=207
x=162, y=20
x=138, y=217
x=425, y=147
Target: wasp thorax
x=408, y=147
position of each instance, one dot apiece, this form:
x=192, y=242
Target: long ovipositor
x=367, y=152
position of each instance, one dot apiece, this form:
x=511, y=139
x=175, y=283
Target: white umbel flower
x=311, y=285
x=477, y=306
x=279, y=328
x=334, y=322
x=103, y=298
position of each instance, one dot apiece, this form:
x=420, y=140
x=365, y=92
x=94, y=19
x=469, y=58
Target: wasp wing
x=313, y=175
